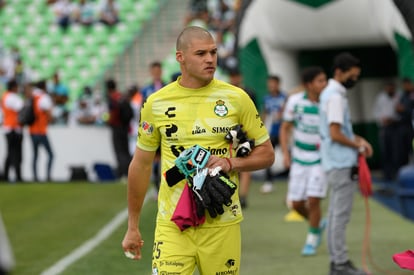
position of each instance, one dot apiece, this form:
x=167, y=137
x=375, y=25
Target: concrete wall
x=72, y=146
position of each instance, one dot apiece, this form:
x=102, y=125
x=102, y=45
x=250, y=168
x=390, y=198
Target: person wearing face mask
x=339, y=151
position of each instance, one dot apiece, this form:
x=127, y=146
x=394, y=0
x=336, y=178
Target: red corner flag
x=365, y=182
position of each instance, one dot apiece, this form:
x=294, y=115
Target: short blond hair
x=189, y=33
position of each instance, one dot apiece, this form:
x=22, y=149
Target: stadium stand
x=80, y=54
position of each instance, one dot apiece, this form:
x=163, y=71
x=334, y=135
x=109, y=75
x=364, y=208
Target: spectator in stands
x=21, y=73
x=196, y=10
x=99, y=109
x=273, y=104
x=11, y=104
x=222, y=17
x=60, y=96
x=200, y=19
x=83, y=113
x=43, y=106
x=62, y=9
x=405, y=109
x=387, y=119
x=12, y=67
x=156, y=83
x=226, y=59
x=84, y=13
x=119, y=128
x=8, y=64
x=109, y=13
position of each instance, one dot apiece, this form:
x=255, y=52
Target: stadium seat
x=77, y=33
x=23, y=42
x=124, y=32
x=8, y=37
x=100, y=33
x=82, y=52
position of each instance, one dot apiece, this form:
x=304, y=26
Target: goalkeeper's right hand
x=215, y=193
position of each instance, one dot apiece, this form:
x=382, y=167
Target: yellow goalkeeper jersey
x=176, y=118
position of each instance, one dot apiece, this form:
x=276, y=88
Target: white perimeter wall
x=72, y=146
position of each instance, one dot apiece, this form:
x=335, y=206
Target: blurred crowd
x=84, y=12
x=219, y=18
x=394, y=114
x=89, y=104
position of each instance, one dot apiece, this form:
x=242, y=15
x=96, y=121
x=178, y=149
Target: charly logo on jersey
x=170, y=112
x=220, y=109
x=147, y=128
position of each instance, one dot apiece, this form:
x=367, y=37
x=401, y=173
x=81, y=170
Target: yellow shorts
x=213, y=250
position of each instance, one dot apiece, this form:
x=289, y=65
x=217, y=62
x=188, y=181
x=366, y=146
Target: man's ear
x=179, y=56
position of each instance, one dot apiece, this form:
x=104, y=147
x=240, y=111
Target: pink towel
x=405, y=259
x=185, y=214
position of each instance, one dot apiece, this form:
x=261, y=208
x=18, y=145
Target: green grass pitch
x=45, y=222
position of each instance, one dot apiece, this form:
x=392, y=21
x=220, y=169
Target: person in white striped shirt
x=299, y=140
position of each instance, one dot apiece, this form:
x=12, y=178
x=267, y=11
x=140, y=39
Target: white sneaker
x=266, y=188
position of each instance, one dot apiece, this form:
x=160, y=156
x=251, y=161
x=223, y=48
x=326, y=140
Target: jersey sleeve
x=252, y=122
x=288, y=113
x=148, y=134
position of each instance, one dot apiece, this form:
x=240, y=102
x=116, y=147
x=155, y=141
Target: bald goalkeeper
x=197, y=109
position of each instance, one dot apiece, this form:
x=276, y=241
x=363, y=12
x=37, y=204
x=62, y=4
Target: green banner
x=405, y=56
x=254, y=69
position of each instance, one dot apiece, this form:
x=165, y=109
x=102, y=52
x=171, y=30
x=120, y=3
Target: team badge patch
x=147, y=127
x=220, y=109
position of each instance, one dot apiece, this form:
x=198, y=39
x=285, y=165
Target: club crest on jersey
x=220, y=109
x=147, y=127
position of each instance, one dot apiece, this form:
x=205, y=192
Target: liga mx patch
x=220, y=109
x=147, y=128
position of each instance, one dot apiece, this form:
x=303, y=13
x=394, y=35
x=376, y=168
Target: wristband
x=229, y=162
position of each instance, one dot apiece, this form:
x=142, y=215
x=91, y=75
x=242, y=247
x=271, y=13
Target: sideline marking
x=90, y=244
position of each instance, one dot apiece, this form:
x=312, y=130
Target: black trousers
x=389, y=143
x=14, y=155
x=120, y=145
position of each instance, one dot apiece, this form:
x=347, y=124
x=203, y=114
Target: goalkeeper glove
x=215, y=192
x=240, y=142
